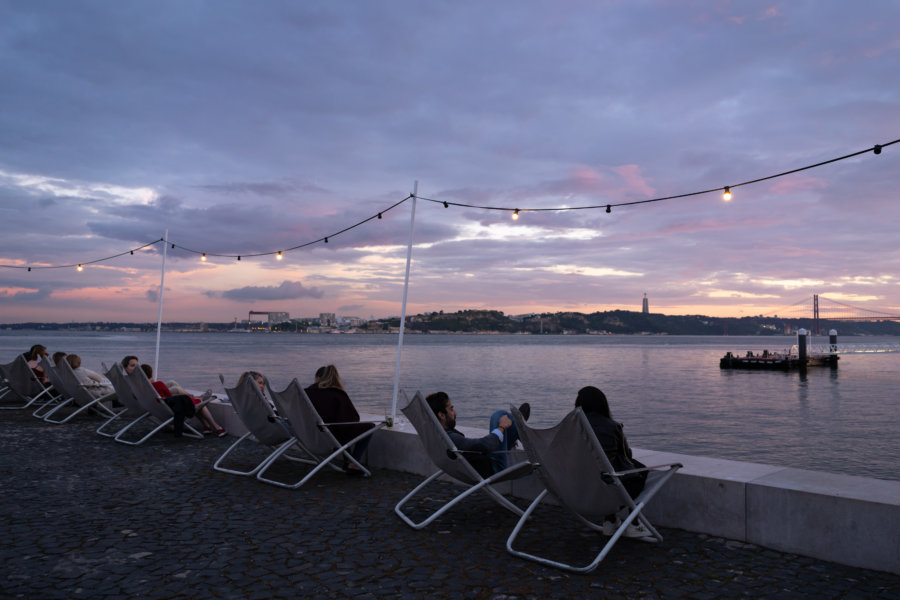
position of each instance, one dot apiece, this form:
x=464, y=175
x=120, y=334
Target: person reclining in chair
x=487, y=454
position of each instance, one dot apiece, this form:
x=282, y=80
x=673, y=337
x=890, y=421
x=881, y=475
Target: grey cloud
x=287, y=290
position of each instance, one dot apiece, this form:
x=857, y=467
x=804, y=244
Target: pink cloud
x=798, y=184
x=634, y=180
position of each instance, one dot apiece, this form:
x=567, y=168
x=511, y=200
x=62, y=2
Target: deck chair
x=261, y=423
x=59, y=386
x=20, y=381
x=451, y=461
x=311, y=436
x=158, y=412
x=78, y=395
x=133, y=409
x=573, y=468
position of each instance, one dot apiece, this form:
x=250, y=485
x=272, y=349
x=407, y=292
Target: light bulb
x=278, y=256
x=608, y=208
x=515, y=215
x=80, y=268
x=726, y=195
x=203, y=258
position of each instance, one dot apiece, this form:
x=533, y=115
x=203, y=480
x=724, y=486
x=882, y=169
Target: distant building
x=646, y=305
x=327, y=320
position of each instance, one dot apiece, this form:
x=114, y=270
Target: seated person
x=334, y=406
x=34, y=356
x=209, y=423
x=58, y=356
x=96, y=384
x=129, y=364
x=596, y=408
x=260, y=382
x=486, y=454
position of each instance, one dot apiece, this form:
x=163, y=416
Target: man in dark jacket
x=486, y=454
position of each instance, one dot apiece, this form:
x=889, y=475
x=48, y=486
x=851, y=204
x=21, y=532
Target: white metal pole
x=412, y=223
x=162, y=281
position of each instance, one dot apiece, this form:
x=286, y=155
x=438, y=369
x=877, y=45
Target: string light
x=278, y=256
x=875, y=149
x=515, y=215
x=203, y=258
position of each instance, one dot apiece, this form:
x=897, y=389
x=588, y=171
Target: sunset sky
x=252, y=127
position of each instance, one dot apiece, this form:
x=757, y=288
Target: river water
x=668, y=390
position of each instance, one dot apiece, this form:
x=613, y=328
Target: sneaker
x=636, y=530
x=206, y=394
x=525, y=409
x=609, y=527
x=220, y=431
x=207, y=431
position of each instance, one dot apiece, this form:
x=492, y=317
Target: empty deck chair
x=159, y=415
x=133, y=409
x=573, y=468
x=78, y=396
x=451, y=461
x=262, y=426
x=20, y=382
x=311, y=436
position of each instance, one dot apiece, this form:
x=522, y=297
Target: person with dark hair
x=333, y=404
x=58, y=356
x=612, y=438
x=183, y=405
x=33, y=356
x=130, y=363
x=486, y=454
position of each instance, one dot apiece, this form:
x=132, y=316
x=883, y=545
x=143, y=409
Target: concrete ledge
x=841, y=518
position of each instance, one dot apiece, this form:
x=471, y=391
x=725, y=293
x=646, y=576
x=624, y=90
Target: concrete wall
x=841, y=518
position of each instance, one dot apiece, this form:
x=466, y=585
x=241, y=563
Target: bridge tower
x=815, y=314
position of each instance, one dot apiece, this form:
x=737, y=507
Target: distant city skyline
x=253, y=128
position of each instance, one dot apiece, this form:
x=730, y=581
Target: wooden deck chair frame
x=79, y=396
x=157, y=411
x=451, y=462
x=571, y=464
x=20, y=380
x=311, y=434
x=262, y=425
x=133, y=409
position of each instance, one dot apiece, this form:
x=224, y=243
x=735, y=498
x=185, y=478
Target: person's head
x=440, y=404
x=129, y=364
x=36, y=352
x=256, y=377
x=74, y=360
x=148, y=371
x=58, y=356
x=328, y=377
x=592, y=400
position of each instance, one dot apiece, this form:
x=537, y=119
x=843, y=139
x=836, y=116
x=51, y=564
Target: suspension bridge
x=819, y=308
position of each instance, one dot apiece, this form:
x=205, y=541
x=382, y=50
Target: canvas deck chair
x=451, y=461
x=311, y=436
x=262, y=427
x=573, y=468
x=157, y=411
x=133, y=409
x=78, y=396
x=62, y=392
x=21, y=383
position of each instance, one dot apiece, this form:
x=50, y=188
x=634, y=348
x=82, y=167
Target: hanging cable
x=86, y=262
x=876, y=149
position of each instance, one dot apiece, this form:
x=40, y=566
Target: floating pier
x=769, y=361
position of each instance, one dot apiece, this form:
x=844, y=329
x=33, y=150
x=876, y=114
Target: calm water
x=668, y=390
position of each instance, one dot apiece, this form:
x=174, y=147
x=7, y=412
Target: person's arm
x=485, y=445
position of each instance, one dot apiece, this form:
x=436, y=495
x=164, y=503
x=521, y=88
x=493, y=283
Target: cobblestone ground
x=85, y=517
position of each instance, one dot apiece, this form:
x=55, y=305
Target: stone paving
x=85, y=517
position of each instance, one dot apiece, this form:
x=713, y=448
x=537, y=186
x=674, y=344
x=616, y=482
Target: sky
x=240, y=128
